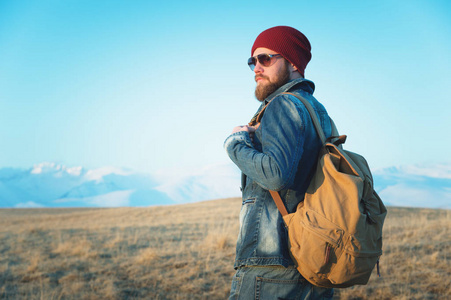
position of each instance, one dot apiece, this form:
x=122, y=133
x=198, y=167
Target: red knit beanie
x=288, y=42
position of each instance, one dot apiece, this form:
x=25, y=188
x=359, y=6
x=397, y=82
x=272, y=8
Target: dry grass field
x=187, y=252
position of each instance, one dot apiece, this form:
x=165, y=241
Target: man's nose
x=258, y=67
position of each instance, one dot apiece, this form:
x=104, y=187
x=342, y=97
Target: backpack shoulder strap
x=334, y=128
x=257, y=118
x=279, y=203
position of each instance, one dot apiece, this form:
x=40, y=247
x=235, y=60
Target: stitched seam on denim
x=258, y=221
x=256, y=294
x=275, y=261
x=292, y=281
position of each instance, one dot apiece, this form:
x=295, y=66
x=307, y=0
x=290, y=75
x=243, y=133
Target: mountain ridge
x=54, y=185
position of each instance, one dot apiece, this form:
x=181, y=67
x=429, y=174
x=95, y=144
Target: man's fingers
x=237, y=128
x=250, y=129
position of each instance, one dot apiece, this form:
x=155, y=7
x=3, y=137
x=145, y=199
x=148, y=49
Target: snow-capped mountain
x=53, y=185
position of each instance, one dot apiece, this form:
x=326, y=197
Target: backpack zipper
x=378, y=271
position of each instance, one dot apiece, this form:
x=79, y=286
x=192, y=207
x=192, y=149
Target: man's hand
x=250, y=129
x=247, y=128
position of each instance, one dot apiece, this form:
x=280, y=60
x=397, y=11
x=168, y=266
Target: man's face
x=269, y=79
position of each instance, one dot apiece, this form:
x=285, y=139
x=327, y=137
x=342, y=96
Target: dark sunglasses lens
x=251, y=62
x=264, y=59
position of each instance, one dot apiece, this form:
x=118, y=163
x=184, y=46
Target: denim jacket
x=282, y=157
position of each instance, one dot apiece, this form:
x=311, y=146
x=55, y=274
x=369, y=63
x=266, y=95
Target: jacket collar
x=299, y=83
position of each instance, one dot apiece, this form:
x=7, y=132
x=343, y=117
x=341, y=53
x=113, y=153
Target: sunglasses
x=264, y=59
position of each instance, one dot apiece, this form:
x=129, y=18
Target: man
x=279, y=154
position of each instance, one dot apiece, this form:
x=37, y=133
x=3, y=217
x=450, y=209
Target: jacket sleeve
x=281, y=131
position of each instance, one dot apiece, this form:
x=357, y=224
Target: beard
x=263, y=90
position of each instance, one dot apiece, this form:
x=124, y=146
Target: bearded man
x=280, y=155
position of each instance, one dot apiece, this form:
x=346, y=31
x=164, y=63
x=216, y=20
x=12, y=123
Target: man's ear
x=294, y=72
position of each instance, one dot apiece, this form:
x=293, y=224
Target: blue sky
x=159, y=85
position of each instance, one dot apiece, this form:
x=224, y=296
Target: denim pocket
x=249, y=201
x=247, y=206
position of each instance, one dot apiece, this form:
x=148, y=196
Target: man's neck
x=295, y=75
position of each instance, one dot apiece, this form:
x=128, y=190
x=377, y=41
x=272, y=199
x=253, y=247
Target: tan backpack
x=335, y=234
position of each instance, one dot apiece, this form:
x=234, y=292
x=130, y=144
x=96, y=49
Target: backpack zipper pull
x=327, y=255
